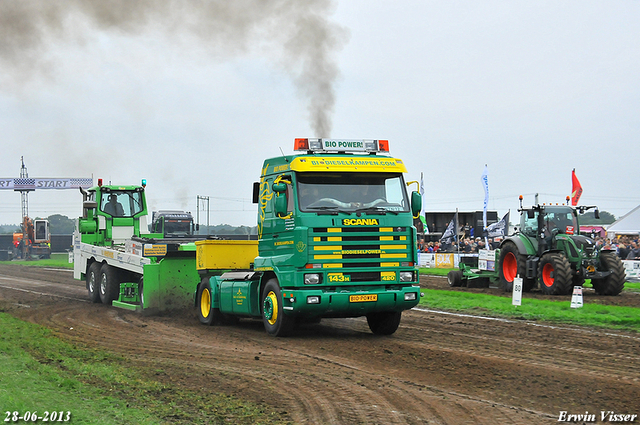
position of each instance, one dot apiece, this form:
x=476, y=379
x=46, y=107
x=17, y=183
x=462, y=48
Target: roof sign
x=341, y=145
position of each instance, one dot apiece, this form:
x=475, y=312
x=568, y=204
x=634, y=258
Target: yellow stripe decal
x=327, y=248
x=334, y=230
x=386, y=238
x=398, y=255
x=393, y=247
x=332, y=266
x=316, y=238
x=389, y=264
x=334, y=238
x=327, y=257
x=386, y=229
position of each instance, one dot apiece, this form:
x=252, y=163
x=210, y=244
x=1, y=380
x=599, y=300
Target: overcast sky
x=194, y=99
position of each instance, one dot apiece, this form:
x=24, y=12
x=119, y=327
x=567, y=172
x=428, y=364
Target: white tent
x=628, y=224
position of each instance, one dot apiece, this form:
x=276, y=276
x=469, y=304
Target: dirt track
x=437, y=368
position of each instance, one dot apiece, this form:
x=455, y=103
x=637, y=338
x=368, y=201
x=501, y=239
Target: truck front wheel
x=384, y=323
x=276, y=323
x=93, y=277
x=109, y=284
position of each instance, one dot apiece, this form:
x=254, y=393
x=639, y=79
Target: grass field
x=56, y=260
x=41, y=373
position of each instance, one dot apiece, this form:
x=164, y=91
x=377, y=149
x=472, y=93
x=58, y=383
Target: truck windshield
x=351, y=192
x=177, y=227
x=121, y=203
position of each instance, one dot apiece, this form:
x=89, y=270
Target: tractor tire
x=511, y=265
x=384, y=323
x=454, y=278
x=93, y=277
x=276, y=323
x=206, y=313
x=109, y=284
x=554, y=274
x=614, y=283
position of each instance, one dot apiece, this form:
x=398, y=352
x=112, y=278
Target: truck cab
x=336, y=238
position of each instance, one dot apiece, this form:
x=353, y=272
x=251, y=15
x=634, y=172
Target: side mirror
x=596, y=214
x=531, y=214
x=256, y=192
x=279, y=187
x=416, y=204
x=280, y=203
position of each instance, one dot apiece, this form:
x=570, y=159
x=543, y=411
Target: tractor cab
x=543, y=223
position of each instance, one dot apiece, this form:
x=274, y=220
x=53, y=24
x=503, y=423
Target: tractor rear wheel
x=384, y=323
x=276, y=323
x=93, y=277
x=554, y=274
x=614, y=283
x=513, y=264
x=454, y=278
x=109, y=284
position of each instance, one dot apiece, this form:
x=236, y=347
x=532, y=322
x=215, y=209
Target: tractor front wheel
x=276, y=323
x=513, y=264
x=554, y=274
x=614, y=283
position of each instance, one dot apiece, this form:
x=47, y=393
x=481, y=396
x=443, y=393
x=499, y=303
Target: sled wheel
x=554, y=274
x=93, y=277
x=384, y=323
x=454, y=278
x=109, y=284
x=276, y=323
x=614, y=283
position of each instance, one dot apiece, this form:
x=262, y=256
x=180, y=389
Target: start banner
x=22, y=183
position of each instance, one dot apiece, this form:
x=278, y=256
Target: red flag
x=576, y=189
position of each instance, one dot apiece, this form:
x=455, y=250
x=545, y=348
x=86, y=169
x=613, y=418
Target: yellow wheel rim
x=205, y=303
x=271, y=308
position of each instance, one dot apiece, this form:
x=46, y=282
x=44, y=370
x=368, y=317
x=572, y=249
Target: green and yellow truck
x=335, y=239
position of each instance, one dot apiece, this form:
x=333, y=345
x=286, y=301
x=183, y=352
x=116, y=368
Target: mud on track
x=437, y=368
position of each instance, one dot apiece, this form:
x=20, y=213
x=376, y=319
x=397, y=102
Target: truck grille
x=362, y=252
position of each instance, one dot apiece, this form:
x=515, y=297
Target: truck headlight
x=312, y=279
x=410, y=296
x=313, y=299
x=406, y=277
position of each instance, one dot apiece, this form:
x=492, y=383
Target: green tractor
x=548, y=249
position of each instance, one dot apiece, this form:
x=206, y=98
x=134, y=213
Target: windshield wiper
x=378, y=210
x=333, y=209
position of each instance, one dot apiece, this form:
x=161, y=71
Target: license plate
x=363, y=298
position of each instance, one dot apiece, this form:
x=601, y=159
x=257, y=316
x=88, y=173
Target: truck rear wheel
x=109, y=284
x=614, y=283
x=276, y=323
x=204, y=302
x=555, y=274
x=513, y=264
x=93, y=277
x=384, y=323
